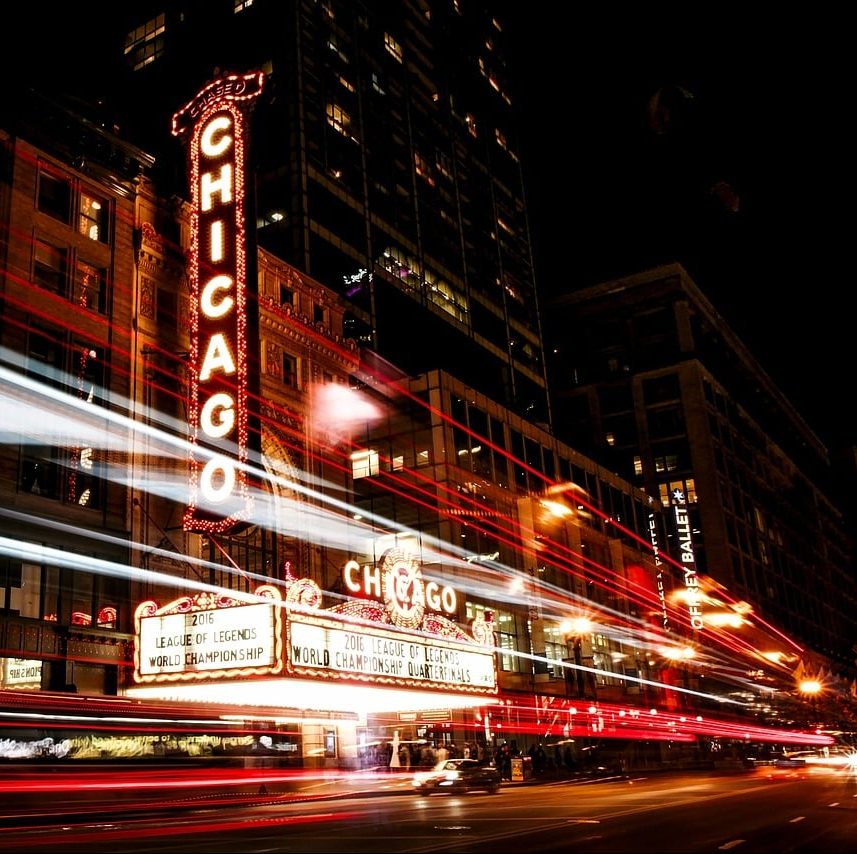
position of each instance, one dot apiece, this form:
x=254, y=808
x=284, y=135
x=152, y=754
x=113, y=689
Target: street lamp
x=811, y=688
x=574, y=630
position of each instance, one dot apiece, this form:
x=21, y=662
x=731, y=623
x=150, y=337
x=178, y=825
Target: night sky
x=717, y=142
x=708, y=137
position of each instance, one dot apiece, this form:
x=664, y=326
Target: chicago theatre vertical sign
x=214, y=126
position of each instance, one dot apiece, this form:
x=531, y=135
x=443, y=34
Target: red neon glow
x=218, y=418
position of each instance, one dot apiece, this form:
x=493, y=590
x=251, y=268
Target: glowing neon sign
x=688, y=560
x=216, y=124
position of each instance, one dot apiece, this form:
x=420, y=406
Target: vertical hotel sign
x=214, y=126
x=688, y=560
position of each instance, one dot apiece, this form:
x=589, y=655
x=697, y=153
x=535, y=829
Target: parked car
x=456, y=776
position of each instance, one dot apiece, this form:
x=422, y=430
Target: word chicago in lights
x=395, y=635
x=215, y=123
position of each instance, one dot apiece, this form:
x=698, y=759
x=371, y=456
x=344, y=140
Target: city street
x=744, y=812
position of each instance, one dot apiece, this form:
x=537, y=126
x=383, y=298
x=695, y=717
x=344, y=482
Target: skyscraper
x=386, y=166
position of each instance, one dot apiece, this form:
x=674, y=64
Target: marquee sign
x=319, y=646
x=214, y=124
x=208, y=636
x=397, y=636
x=22, y=673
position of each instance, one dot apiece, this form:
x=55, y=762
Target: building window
x=69, y=472
x=40, y=470
x=556, y=649
x=423, y=169
x=290, y=370
x=393, y=47
x=145, y=44
x=377, y=84
x=49, y=267
x=319, y=315
x=333, y=45
x=443, y=163
x=58, y=197
x=54, y=196
x=668, y=462
x=92, y=218
x=89, y=287
x=638, y=465
x=337, y=118
x=364, y=464
x=241, y=5
x=506, y=630
x=686, y=487
x=287, y=296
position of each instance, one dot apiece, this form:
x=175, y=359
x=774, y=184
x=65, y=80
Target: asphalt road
x=681, y=813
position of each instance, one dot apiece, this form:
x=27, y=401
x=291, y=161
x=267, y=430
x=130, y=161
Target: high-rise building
x=386, y=166
x=656, y=386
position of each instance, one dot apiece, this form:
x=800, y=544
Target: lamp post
x=811, y=688
x=573, y=631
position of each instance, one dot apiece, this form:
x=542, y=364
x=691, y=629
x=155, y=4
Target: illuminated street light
x=811, y=688
x=573, y=631
x=556, y=508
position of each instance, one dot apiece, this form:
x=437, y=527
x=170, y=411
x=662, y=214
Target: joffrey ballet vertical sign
x=214, y=126
x=687, y=558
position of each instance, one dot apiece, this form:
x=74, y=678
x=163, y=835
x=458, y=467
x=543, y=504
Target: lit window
x=505, y=226
x=333, y=44
x=89, y=287
x=444, y=164
x=346, y=84
x=610, y=439
x=398, y=463
x=423, y=168
x=638, y=465
x=668, y=462
x=423, y=458
x=241, y=5
x=337, y=118
x=364, y=464
x=376, y=84
x=92, y=220
x=393, y=47
x=146, y=43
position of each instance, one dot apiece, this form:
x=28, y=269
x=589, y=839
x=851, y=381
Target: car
x=456, y=776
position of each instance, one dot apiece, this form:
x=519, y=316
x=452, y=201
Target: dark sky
x=721, y=141
x=704, y=135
